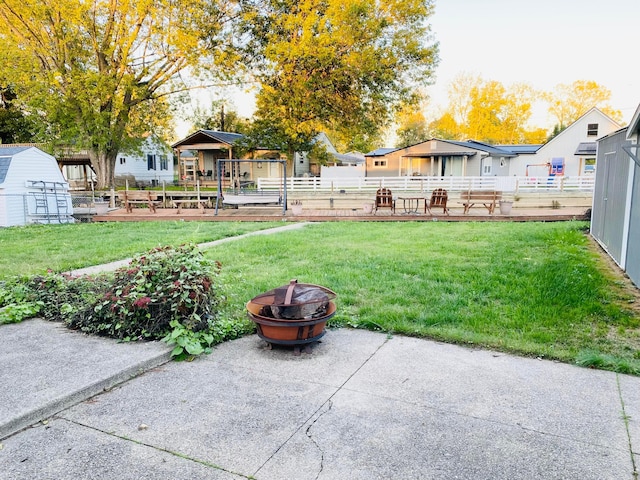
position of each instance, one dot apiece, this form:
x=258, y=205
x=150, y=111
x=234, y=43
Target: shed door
x=609, y=226
x=633, y=245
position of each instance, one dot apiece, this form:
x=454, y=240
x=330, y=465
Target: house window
x=151, y=162
x=487, y=163
x=589, y=166
x=379, y=163
x=592, y=130
x=123, y=160
x=163, y=163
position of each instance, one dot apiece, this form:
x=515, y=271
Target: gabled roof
x=623, y=129
x=578, y=121
x=11, y=151
x=5, y=162
x=634, y=126
x=380, y=152
x=494, y=150
x=586, y=148
x=6, y=154
x=227, y=138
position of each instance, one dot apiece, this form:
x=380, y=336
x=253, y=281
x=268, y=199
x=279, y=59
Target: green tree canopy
x=341, y=67
x=99, y=72
x=16, y=126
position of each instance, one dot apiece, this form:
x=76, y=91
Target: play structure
x=554, y=168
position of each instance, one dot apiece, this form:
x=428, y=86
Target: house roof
x=11, y=151
x=6, y=154
x=586, y=148
x=634, y=126
x=521, y=149
x=380, y=152
x=4, y=167
x=493, y=150
x=445, y=153
x=576, y=123
x=208, y=135
x=623, y=129
x=343, y=158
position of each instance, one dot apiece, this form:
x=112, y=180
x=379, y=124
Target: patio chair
x=384, y=199
x=439, y=199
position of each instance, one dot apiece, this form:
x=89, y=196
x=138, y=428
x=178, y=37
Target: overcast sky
x=541, y=42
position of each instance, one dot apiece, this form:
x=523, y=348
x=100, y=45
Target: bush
x=170, y=294
x=168, y=290
x=17, y=302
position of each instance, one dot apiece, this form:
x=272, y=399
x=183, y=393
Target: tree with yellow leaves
x=487, y=111
x=568, y=102
x=330, y=65
x=99, y=72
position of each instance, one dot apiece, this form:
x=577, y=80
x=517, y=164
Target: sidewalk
x=361, y=406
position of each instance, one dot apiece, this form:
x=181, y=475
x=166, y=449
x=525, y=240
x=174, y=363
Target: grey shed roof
x=6, y=154
x=4, y=167
x=11, y=151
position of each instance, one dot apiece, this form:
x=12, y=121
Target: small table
x=412, y=204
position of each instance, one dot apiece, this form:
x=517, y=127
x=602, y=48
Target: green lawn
x=538, y=289
x=532, y=288
x=35, y=249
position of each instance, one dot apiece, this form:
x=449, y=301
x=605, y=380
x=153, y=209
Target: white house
x=152, y=165
x=32, y=188
x=571, y=153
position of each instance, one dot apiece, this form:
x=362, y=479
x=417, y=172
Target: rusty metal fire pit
x=295, y=314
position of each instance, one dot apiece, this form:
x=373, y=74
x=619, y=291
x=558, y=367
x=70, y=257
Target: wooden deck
x=274, y=214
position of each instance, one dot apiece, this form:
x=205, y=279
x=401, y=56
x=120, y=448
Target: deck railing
x=428, y=184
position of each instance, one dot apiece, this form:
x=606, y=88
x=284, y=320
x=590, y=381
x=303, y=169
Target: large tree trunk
x=104, y=164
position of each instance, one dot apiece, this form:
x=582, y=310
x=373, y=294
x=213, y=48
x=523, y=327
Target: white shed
x=32, y=188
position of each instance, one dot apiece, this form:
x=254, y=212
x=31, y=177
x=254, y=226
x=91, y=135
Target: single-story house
x=32, y=188
x=439, y=158
x=572, y=152
x=615, y=220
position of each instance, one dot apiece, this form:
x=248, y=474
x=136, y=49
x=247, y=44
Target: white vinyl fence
x=428, y=184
